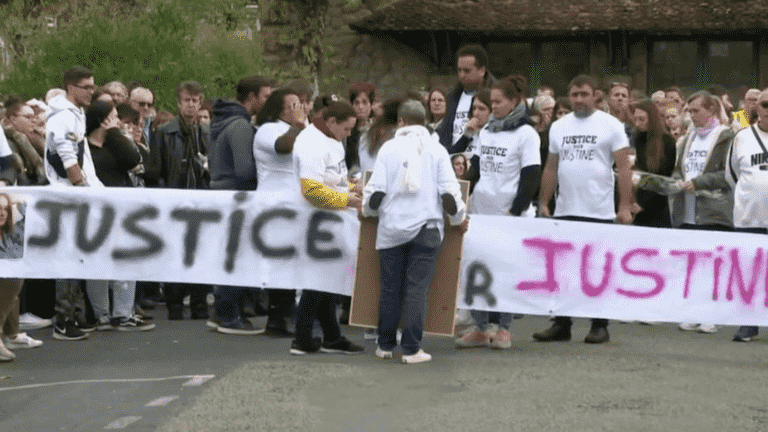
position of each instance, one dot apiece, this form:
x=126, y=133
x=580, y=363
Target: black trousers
x=320, y=305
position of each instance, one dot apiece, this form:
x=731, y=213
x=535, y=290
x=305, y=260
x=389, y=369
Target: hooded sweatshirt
x=65, y=143
x=230, y=157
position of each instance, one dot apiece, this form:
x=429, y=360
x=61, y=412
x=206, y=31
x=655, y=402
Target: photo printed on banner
x=12, y=214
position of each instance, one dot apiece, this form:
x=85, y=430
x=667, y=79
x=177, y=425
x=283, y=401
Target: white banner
x=551, y=267
x=253, y=239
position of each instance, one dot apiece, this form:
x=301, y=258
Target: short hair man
x=143, y=100
x=178, y=160
x=408, y=245
x=583, y=147
x=473, y=74
x=68, y=162
x=746, y=167
x=701, y=166
x=747, y=115
x=233, y=167
x=320, y=167
x=618, y=101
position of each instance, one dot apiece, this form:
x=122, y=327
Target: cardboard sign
x=442, y=296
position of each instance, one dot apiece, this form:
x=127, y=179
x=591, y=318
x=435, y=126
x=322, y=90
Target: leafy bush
x=158, y=43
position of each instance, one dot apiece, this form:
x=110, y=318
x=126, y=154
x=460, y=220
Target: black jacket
x=445, y=131
x=175, y=160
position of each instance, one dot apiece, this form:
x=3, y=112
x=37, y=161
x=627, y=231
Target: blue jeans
x=227, y=303
x=481, y=319
x=406, y=273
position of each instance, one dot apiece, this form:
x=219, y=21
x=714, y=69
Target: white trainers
x=708, y=328
x=689, y=327
x=5, y=354
x=29, y=321
x=419, y=357
x=21, y=341
x=380, y=353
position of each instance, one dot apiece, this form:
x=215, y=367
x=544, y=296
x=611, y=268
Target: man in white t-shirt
x=321, y=171
x=471, y=66
x=412, y=175
x=583, y=147
x=747, y=172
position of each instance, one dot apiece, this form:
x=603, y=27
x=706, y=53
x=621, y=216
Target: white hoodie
x=64, y=135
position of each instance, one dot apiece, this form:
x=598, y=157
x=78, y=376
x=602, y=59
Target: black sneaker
x=556, y=333
x=745, y=334
x=242, y=327
x=142, y=314
x=68, y=331
x=341, y=346
x=85, y=327
x=213, y=321
x=132, y=324
x=313, y=347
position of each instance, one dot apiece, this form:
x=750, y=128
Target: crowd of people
x=569, y=157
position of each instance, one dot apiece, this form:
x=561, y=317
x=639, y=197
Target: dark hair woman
x=655, y=153
x=113, y=153
x=382, y=129
x=362, y=96
x=436, y=104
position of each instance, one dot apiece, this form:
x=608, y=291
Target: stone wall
x=351, y=57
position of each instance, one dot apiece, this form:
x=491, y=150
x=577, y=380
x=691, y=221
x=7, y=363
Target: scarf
x=419, y=137
x=709, y=127
x=518, y=117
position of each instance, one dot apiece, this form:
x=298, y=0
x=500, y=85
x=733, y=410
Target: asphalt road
x=184, y=377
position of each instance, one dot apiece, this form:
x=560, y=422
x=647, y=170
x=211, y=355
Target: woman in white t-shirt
x=506, y=153
x=281, y=116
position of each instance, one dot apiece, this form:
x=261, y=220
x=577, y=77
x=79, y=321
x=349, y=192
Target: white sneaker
x=380, y=353
x=104, y=324
x=30, y=321
x=5, y=354
x=21, y=341
x=708, y=328
x=419, y=357
x=689, y=327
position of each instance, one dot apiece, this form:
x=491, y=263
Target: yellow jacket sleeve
x=320, y=195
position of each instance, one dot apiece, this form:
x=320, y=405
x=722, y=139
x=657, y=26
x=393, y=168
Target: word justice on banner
x=552, y=267
x=254, y=239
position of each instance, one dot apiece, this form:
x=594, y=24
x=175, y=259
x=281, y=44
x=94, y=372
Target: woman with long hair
x=509, y=176
x=655, y=153
x=11, y=240
x=381, y=131
x=362, y=96
x=436, y=103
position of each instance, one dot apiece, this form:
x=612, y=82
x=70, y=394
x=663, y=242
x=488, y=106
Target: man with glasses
x=747, y=173
x=143, y=100
x=68, y=162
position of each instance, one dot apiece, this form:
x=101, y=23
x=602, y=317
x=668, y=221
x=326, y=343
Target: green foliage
x=157, y=43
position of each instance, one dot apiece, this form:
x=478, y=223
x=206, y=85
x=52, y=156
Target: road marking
x=193, y=380
x=122, y=422
x=198, y=380
x=163, y=401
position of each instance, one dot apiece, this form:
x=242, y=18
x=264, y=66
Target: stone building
x=650, y=43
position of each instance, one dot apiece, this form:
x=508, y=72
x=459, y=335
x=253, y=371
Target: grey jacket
x=709, y=210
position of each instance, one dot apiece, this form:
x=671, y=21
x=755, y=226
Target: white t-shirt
x=747, y=169
x=462, y=115
x=319, y=157
x=585, y=148
x=502, y=156
x=694, y=163
x=5, y=148
x=274, y=171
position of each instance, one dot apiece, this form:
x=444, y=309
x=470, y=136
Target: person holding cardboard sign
x=412, y=183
